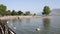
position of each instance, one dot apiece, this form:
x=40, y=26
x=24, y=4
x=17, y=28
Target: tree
x=46, y=10
x=8, y=12
x=2, y=9
x=13, y=12
x=27, y=13
x=20, y=12
x=34, y=14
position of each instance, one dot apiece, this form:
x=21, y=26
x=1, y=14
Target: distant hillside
x=55, y=12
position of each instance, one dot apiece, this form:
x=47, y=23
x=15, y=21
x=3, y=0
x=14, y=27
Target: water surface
x=27, y=26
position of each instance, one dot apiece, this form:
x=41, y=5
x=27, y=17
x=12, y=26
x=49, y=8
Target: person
x=18, y=17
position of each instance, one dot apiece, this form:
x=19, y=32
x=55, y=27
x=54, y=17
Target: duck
x=37, y=29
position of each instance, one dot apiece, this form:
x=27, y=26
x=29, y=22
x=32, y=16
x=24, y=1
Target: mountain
x=55, y=12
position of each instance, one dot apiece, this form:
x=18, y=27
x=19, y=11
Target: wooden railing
x=4, y=29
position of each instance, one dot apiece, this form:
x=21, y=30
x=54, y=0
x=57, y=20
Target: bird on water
x=37, y=29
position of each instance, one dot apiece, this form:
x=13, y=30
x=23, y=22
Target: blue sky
x=34, y=6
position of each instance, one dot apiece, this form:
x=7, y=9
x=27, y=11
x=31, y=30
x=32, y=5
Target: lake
x=28, y=26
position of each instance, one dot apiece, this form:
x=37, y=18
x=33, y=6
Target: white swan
x=7, y=22
x=37, y=29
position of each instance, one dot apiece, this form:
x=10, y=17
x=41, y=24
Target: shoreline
x=21, y=17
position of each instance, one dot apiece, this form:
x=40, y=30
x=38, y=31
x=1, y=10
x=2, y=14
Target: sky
x=34, y=6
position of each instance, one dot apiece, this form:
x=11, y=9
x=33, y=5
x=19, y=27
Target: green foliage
x=42, y=13
x=2, y=9
x=46, y=10
x=13, y=12
x=34, y=14
x=8, y=12
x=20, y=12
x=27, y=13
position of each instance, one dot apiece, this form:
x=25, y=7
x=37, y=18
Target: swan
x=7, y=22
x=37, y=29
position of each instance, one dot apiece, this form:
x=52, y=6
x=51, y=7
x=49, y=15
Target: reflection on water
x=46, y=23
x=28, y=26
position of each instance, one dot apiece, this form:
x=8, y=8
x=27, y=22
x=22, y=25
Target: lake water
x=28, y=26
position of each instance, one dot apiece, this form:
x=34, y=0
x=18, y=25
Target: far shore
x=21, y=17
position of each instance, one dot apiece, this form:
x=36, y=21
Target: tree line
x=5, y=12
